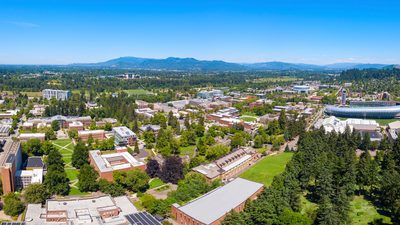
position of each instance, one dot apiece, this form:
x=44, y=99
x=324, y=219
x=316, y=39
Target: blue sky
x=306, y=31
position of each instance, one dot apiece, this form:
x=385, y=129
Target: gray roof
x=215, y=204
x=34, y=162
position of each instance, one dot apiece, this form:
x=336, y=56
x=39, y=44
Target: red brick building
x=211, y=208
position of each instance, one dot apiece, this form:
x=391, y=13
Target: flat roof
x=215, y=204
x=123, y=131
x=103, y=163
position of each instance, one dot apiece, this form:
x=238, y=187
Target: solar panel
x=13, y=223
x=142, y=218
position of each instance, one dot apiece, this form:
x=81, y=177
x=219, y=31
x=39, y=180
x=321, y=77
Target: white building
x=124, y=136
x=57, y=94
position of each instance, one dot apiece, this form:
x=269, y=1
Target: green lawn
x=248, y=118
x=363, y=212
x=189, y=150
x=72, y=174
x=156, y=182
x=76, y=192
x=138, y=92
x=66, y=148
x=266, y=169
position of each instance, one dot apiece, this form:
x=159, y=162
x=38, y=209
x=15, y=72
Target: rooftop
x=123, y=131
x=215, y=204
x=114, y=161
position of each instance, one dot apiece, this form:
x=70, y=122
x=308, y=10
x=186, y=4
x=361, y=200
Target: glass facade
x=386, y=112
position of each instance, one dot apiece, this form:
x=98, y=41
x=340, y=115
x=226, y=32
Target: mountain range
x=191, y=64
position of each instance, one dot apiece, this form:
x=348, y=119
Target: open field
x=28, y=93
x=156, y=182
x=266, y=169
x=363, y=212
x=189, y=150
x=138, y=92
x=66, y=148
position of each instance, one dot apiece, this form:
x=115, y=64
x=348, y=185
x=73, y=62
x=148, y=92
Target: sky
x=300, y=31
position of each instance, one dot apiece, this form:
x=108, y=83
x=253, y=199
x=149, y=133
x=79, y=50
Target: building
x=29, y=136
x=301, y=88
x=393, y=129
x=77, y=125
x=103, y=210
x=211, y=208
x=10, y=163
x=105, y=164
x=146, y=112
x=210, y=94
x=37, y=110
x=8, y=114
x=380, y=112
x=96, y=134
x=228, y=166
x=24, y=178
x=63, y=120
x=357, y=125
x=150, y=128
x=5, y=130
x=142, y=104
x=57, y=94
x=124, y=136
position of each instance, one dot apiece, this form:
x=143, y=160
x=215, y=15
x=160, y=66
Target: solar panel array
x=142, y=218
x=13, y=223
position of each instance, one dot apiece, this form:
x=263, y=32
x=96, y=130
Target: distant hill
x=191, y=64
x=170, y=63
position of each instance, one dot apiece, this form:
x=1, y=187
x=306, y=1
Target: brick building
x=96, y=134
x=106, y=164
x=211, y=208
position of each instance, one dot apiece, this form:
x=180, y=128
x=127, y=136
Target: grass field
x=363, y=212
x=66, y=148
x=189, y=150
x=156, y=182
x=28, y=93
x=266, y=169
x=138, y=92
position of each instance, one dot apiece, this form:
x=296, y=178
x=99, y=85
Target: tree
x=188, y=137
x=288, y=217
x=134, y=180
x=13, y=206
x=56, y=180
x=55, y=125
x=258, y=141
x=80, y=155
x=363, y=170
x=137, y=180
x=201, y=147
x=136, y=150
x=111, y=188
x=33, y=147
x=108, y=126
x=73, y=133
x=172, y=170
x=36, y=194
x=87, y=179
x=366, y=142
x=153, y=168
x=217, y=151
x=282, y=119
x=234, y=218
x=46, y=147
x=237, y=140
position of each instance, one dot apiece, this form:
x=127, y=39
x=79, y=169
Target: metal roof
x=215, y=204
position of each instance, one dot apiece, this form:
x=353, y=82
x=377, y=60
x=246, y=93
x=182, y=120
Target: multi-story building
x=63, y=120
x=95, y=134
x=57, y=94
x=29, y=136
x=124, y=136
x=228, y=166
x=10, y=163
x=103, y=210
x=210, y=94
x=211, y=208
x=106, y=164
